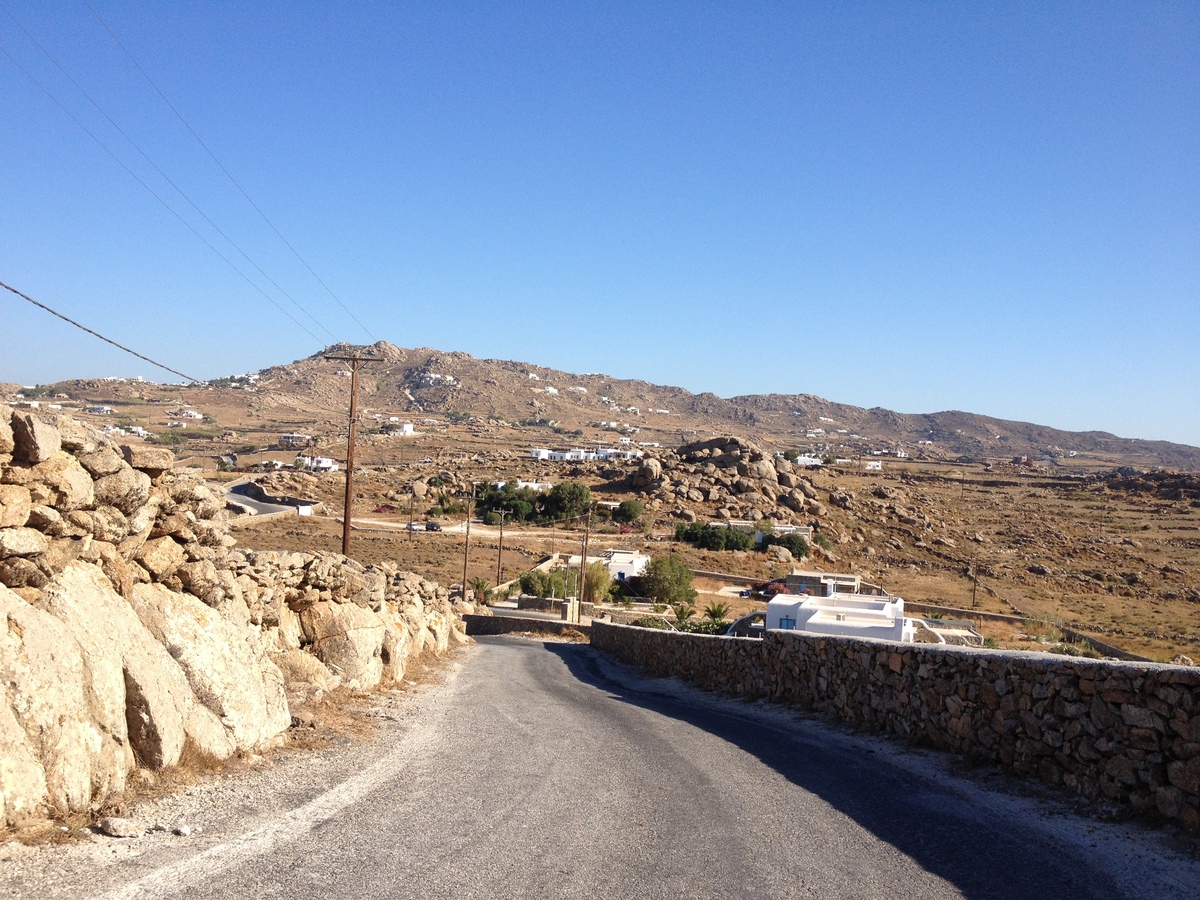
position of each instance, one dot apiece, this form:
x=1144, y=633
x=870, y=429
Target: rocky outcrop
x=135, y=633
x=734, y=477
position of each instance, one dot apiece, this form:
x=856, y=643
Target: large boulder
x=34, y=440
x=224, y=664
x=58, y=696
x=348, y=639
x=151, y=460
x=161, y=713
x=650, y=471
x=161, y=557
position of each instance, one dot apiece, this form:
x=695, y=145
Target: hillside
x=311, y=395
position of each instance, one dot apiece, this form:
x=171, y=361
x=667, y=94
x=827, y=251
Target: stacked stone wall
x=1126, y=732
x=135, y=633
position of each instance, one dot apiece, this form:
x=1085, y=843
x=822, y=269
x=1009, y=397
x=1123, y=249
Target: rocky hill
x=311, y=394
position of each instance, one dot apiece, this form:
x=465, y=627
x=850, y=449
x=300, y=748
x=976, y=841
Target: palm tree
x=481, y=587
x=716, y=611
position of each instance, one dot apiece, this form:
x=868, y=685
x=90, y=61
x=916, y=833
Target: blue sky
x=993, y=208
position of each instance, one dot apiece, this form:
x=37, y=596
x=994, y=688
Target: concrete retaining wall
x=1129, y=732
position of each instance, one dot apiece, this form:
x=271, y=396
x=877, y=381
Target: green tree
x=481, y=588
x=567, y=500
x=668, y=579
x=629, y=511
x=596, y=581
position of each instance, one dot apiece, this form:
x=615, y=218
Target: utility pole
x=587, y=532
x=411, y=498
x=500, y=549
x=355, y=361
x=974, y=582
x=467, y=543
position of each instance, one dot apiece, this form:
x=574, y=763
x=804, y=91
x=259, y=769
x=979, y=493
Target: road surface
x=544, y=770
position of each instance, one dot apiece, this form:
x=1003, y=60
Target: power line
x=221, y=166
x=159, y=170
x=96, y=333
x=156, y=196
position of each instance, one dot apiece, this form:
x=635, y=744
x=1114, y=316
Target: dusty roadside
x=185, y=812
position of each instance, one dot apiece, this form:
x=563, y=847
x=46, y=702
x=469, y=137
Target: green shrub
x=822, y=541
x=629, y=511
x=668, y=579
x=706, y=537
x=491, y=518
x=797, y=545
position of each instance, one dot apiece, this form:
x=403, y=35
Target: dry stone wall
x=1127, y=732
x=134, y=632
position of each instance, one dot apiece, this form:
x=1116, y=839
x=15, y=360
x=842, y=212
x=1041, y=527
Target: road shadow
x=932, y=825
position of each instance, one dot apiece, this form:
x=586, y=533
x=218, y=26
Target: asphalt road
x=544, y=770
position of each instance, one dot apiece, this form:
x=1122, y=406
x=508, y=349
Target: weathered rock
x=78, y=437
x=114, y=826
x=161, y=557
x=102, y=461
x=70, y=482
x=19, y=572
x=51, y=691
x=34, y=440
x=126, y=489
x=151, y=460
x=227, y=672
x=15, y=505
x=22, y=542
x=304, y=674
x=347, y=639
x=6, y=433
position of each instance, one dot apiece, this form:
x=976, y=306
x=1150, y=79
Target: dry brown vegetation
x=1054, y=540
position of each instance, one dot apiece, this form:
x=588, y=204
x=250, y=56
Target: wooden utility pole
x=355, y=361
x=500, y=548
x=974, y=582
x=587, y=533
x=467, y=543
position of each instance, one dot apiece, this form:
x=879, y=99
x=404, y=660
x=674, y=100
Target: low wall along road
x=1128, y=732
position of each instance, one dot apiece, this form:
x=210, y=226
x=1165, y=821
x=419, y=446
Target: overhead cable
x=96, y=333
x=157, y=197
x=156, y=167
x=228, y=175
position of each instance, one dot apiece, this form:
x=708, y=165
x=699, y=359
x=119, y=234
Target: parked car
x=432, y=526
x=413, y=526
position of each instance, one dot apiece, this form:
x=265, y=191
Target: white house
x=317, y=463
x=874, y=465
x=842, y=615
x=622, y=564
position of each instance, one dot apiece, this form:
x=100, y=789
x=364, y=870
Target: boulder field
x=135, y=633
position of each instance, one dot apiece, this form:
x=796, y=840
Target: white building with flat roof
x=841, y=615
